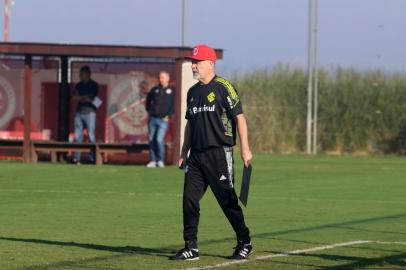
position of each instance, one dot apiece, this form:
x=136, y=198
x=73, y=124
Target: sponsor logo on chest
x=204, y=108
x=211, y=97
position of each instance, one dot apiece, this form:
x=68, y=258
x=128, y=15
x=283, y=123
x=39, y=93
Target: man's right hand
x=181, y=163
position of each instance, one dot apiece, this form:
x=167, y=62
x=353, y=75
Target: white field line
x=295, y=252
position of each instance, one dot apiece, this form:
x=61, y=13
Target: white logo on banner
x=124, y=95
x=7, y=101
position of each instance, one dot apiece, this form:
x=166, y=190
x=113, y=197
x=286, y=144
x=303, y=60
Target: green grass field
x=129, y=217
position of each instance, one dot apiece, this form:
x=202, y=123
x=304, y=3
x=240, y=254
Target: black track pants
x=213, y=167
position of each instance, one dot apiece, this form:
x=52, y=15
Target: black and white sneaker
x=241, y=251
x=189, y=253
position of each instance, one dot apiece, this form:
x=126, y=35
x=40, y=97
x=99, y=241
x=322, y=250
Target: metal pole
x=27, y=108
x=316, y=76
x=184, y=17
x=309, y=84
x=64, y=102
x=177, y=124
x=6, y=12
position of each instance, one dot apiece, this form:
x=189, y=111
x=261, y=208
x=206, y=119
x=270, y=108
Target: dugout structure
x=37, y=82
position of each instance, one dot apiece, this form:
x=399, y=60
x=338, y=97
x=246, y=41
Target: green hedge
x=358, y=111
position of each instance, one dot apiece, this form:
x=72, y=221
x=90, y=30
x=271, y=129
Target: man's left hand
x=246, y=156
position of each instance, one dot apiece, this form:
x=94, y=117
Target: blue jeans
x=157, y=128
x=87, y=120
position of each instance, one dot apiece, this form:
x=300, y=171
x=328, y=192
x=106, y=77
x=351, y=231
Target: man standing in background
x=85, y=93
x=159, y=106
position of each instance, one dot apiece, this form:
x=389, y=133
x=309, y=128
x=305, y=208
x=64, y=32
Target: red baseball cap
x=203, y=52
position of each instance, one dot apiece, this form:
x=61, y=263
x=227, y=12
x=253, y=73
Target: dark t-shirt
x=211, y=111
x=90, y=89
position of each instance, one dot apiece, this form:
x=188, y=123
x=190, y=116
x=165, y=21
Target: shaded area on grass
x=74, y=264
x=125, y=249
x=358, y=262
x=383, y=262
x=168, y=250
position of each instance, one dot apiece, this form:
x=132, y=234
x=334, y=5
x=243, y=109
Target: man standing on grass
x=214, y=114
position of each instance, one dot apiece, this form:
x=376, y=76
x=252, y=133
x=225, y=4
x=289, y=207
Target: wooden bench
x=11, y=144
x=54, y=147
x=99, y=149
x=115, y=148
